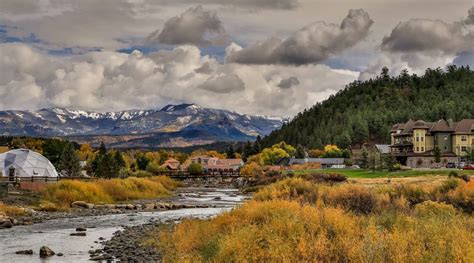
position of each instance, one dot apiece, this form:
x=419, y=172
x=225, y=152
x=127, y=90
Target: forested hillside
x=365, y=111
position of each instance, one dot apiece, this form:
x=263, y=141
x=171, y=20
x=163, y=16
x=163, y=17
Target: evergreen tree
x=365, y=159
x=247, y=151
x=69, y=164
x=257, y=145
x=230, y=153
x=300, y=152
x=437, y=154
x=142, y=162
x=118, y=164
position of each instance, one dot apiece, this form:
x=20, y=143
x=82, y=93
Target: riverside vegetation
x=60, y=195
x=300, y=220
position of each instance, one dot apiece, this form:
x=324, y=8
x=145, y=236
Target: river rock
x=111, y=206
x=60, y=254
x=25, y=252
x=121, y=206
x=46, y=252
x=129, y=207
x=149, y=206
x=100, y=207
x=79, y=204
x=5, y=222
x=81, y=229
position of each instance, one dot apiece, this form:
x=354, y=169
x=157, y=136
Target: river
x=56, y=233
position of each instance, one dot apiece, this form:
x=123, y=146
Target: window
x=463, y=138
x=422, y=149
x=445, y=137
x=417, y=149
x=463, y=149
x=445, y=147
x=417, y=139
x=422, y=138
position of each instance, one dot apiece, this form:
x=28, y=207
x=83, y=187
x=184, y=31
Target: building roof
x=383, y=148
x=323, y=161
x=463, y=127
x=229, y=162
x=26, y=163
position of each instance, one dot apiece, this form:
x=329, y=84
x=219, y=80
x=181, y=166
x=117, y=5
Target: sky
x=265, y=57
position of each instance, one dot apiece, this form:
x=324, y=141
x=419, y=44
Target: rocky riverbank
x=127, y=245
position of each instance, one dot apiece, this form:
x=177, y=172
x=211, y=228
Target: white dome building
x=26, y=163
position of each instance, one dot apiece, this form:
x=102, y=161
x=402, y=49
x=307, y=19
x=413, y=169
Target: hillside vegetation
x=365, y=111
x=296, y=220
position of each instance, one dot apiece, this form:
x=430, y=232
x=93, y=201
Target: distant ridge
x=170, y=126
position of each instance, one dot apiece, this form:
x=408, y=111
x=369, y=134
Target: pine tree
x=300, y=152
x=69, y=163
x=365, y=159
x=118, y=164
x=257, y=145
x=230, y=153
x=437, y=154
x=247, y=151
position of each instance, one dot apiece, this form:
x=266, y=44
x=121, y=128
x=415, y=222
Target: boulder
x=81, y=229
x=25, y=252
x=149, y=206
x=90, y=206
x=5, y=222
x=121, y=206
x=100, y=207
x=79, y=204
x=129, y=207
x=60, y=254
x=111, y=206
x=46, y=252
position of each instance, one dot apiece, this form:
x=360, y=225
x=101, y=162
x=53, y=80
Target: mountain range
x=171, y=126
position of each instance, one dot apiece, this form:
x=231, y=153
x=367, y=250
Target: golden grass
x=63, y=193
x=10, y=210
x=286, y=231
x=295, y=220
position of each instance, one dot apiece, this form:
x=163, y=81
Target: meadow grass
x=363, y=173
x=9, y=210
x=61, y=194
x=295, y=220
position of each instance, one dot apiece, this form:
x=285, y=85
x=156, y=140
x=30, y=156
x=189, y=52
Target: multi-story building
x=413, y=143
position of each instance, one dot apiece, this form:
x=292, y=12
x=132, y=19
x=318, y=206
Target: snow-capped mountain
x=186, y=123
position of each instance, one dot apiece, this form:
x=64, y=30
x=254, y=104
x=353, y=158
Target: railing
x=41, y=179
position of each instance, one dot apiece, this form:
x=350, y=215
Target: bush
x=10, y=210
x=251, y=170
x=357, y=199
x=294, y=189
x=325, y=178
x=195, y=168
x=448, y=185
x=462, y=197
x=285, y=231
x=63, y=193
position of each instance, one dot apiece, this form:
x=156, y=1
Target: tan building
x=413, y=142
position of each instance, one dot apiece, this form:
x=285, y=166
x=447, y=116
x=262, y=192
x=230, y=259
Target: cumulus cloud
x=289, y=82
x=470, y=17
x=196, y=26
x=223, y=84
x=245, y=4
x=417, y=44
x=104, y=81
x=311, y=44
x=417, y=35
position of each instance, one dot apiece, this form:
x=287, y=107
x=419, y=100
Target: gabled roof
x=465, y=126
x=383, y=148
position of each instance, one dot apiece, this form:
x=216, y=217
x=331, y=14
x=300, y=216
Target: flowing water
x=56, y=233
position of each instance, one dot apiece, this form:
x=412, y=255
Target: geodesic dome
x=27, y=163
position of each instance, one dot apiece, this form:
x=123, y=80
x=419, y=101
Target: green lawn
x=361, y=173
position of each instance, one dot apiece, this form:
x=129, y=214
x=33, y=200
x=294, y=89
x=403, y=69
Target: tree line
x=364, y=111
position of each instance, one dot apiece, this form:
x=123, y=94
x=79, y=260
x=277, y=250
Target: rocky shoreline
x=127, y=245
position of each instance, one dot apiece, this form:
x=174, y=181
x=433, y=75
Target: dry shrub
x=357, y=199
x=294, y=189
x=306, y=166
x=63, y=193
x=285, y=231
x=325, y=178
x=10, y=210
x=462, y=197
